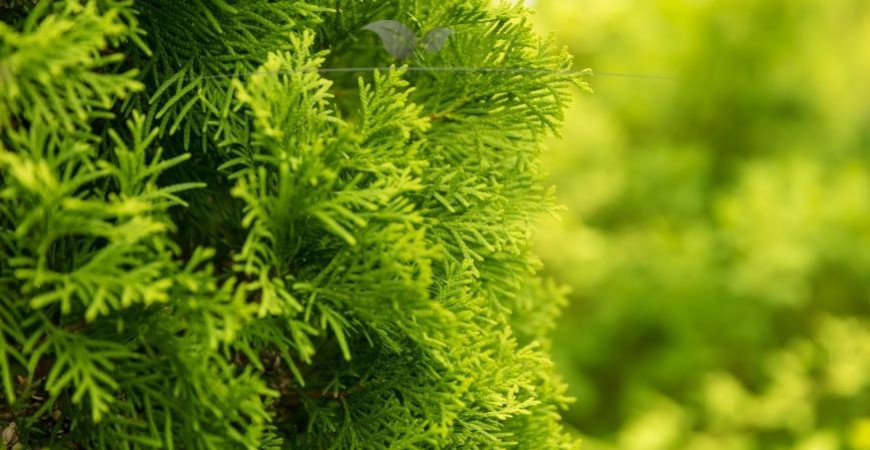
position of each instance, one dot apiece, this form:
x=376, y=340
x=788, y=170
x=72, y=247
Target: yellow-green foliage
x=210, y=240
x=718, y=234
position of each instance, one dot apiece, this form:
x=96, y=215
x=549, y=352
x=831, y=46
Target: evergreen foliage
x=207, y=244
x=718, y=240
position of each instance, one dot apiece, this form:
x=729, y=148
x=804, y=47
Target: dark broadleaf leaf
x=398, y=39
x=436, y=38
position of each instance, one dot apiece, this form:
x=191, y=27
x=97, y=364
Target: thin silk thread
x=587, y=73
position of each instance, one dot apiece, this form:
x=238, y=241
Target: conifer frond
x=340, y=263
x=52, y=67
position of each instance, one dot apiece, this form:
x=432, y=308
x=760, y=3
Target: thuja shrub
x=216, y=233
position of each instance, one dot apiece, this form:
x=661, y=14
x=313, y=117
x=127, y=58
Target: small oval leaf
x=398, y=39
x=436, y=38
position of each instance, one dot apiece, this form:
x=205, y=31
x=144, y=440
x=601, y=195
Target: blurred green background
x=717, y=237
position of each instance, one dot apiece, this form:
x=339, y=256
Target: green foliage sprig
x=337, y=263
